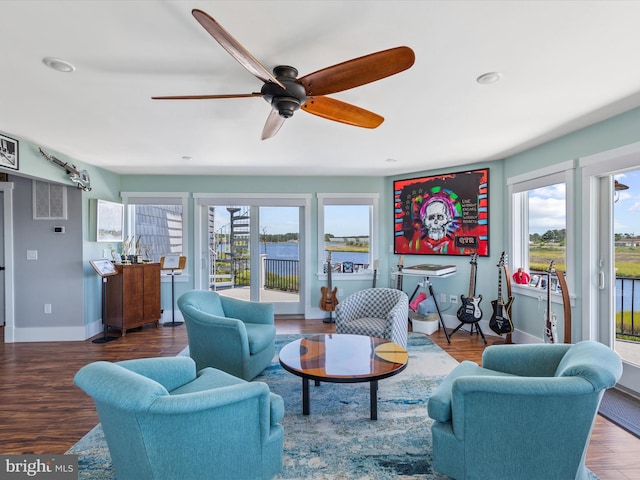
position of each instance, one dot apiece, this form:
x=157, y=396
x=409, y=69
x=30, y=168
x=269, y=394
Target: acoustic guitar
x=329, y=301
x=500, y=320
x=469, y=311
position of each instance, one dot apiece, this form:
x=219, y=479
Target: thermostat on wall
x=58, y=229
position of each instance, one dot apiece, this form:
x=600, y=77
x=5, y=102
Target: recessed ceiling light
x=391, y=160
x=487, y=78
x=57, y=64
x=187, y=158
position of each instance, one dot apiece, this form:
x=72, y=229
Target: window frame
x=370, y=199
x=518, y=187
x=162, y=198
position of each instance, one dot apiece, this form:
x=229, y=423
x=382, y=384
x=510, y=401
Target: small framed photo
x=347, y=267
x=8, y=152
x=553, y=284
x=544, y=280
x=534, y=281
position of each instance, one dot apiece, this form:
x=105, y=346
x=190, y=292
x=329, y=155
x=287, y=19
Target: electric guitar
x=550, y=329
x=329, y=301
x=500, y=321
x=469, y=311
x=79, y=177
x=375, y=272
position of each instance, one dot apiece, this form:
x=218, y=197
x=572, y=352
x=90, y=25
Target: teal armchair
x=163, y=420
x=527, y=413
x=232, y=335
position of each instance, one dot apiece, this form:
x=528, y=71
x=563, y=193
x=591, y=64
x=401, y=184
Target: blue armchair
x=232, y=335
x=527, y=413
x=162, y=420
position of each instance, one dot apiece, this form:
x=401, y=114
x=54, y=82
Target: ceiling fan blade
x=358, y=71
x=207, y=97
x=338, y=111
x=234, y=48
x=273, y=124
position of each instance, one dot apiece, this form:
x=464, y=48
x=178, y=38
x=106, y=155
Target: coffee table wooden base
x=338, y=358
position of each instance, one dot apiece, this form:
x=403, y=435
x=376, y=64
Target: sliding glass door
x=255, y=250
x=612, y=281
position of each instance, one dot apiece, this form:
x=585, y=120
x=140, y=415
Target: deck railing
x=283, y=275
x=628, y=319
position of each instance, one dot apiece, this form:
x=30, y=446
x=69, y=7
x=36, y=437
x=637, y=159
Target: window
x=348, y=228
x=541, y=228
x=156, y=223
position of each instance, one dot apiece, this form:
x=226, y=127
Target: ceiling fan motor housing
x=285, y=102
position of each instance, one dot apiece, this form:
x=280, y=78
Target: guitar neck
x=472, y=281
x=550, y=272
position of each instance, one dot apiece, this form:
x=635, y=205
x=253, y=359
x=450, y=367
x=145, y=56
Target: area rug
x=338, y=440
x=621, y=409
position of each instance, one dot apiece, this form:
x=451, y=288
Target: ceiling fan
x=286, y=93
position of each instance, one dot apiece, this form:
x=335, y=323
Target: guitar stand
x=330, y=319
x=473, y=326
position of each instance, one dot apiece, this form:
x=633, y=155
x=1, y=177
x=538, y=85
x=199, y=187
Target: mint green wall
x=458, y=284
x=266, y=185
x=618, y=131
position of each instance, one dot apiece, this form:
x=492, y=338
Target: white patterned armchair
x=376, y=312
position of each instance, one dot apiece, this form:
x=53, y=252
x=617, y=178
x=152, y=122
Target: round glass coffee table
x=342, y=358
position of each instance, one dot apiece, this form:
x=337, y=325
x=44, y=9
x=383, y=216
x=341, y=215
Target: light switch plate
x=32, y=254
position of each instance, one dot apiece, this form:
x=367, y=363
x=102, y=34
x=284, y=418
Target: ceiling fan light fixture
x=489, y=78
x=286, y=106
x=58, y=64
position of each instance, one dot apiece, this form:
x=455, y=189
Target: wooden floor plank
x=41, y=411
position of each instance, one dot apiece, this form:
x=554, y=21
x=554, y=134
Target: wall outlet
x=340, y=292
x=443, y=298
x=453, y=299
x=47, y=308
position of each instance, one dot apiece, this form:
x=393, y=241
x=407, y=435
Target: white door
x=608, y=214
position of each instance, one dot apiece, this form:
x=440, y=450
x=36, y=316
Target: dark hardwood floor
x=41, y=411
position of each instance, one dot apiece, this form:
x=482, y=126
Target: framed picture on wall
x=109, y=221
x=8, y=152
x=446, y=214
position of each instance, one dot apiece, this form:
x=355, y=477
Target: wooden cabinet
x=133, y=296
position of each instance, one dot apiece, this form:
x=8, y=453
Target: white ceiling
x=565, y=65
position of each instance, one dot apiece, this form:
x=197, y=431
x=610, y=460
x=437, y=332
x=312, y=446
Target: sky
x=547, y=207
x=349, y=222
x=627, y=208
